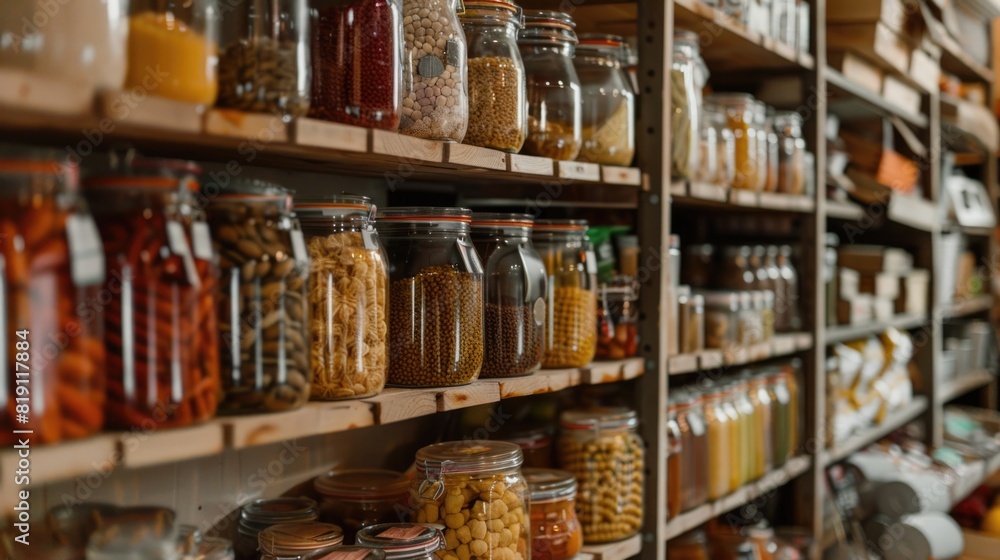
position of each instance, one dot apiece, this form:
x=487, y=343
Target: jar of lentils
x=476, y=490
x=555, y=530
x=602, y=449
x=263, y=306
x=571, y=314
x=435, y=105
x=435, y=297
x=348, y=297
x=515, y=294
x=608, y=102
x=403, y=541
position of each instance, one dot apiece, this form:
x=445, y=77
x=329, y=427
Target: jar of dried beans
x=348, y=295
x=160, y=330
x=602, y=449
x=52, y=271
x=263, y=306
x=435, y=105
x=476, y=490
x=359, y=498
x=515, y=294
x=571, y=315
x=497, y=96
x=608, y=102
x=264, y=62
x=556, y=533
x=548, y=43
x=403, y=541
x=357, y=49
x=436, y=297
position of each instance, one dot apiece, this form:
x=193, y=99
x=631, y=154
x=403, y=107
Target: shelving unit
x=845, y=333
x=866, y=437
x=963, y=384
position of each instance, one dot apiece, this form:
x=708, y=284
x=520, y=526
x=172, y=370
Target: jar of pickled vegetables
x=556, y=533
x=571, y=321
x=607, y=101
x=476, y=490
x=403, y=541
x=739, y=109
x=548, y=44
x=603, y=450
x=719, y=446
x=173, y=49
x=261, y=514
x=348, y=298
x=299, y=541
x=675, y=450
x=694, y=442
x=356, y=498
x=685, y=96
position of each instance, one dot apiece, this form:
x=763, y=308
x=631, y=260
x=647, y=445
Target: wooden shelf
x=688, y=193
x=970, y=306
x=963, y=384
x=870, y=435
x=844, y=210
x=768, y=483
x=620, y=550
x=845, y=333
x=783, y=344
x=851, y=101
x=955, y=61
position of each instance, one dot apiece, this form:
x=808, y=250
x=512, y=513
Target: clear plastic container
x=724, y=159
x=722, y=319
x=694, y=442
x=685, y=95
x=357, y=54
x=498, y=116
x=357, y=498
x=791, y=152
x=436, y=297
x=476, y=490
x=556, y=533
x=264, y=60
x=618, y=319
x=602, y=448
x=435, y=71
x=675, y=450
x=350, y=354
x=515, y=294
x=607, y=101
x=720, y=460
x=261, y=514
x=299, y=541
x=548, y=44
x=403, y=541
x=739, y=109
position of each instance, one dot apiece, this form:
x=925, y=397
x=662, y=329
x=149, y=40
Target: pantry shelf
x=782, y=345
x=969, y=306
x=866, y=437
x=853, y=332
x=850, y=101
x=693, y=193
x=621, y=550
x=964, y=384
x=957, y=62
x=768, y=483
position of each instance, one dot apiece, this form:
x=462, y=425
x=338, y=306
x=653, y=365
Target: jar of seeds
x=515, y=294
x=263, y=306
x=436, y=297
x=348, y=297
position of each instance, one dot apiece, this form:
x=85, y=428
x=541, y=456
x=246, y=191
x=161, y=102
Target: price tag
x=201, y=237
x=85, y=250
x=179, y=246
x=591, y=262
x=299, y=250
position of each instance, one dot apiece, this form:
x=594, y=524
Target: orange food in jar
x=556, y=533
x=168, y=58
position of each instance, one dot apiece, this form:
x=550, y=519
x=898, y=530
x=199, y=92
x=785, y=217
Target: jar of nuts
x=299, y=541
x=476, y=490
x=571, y=320
x=555, y=530
x=436, y=297
x=515, y=294
x=261, y=514
x=601, y=447
x=263, y=306
x=608, y=102
x=403, y=541
x=357, y=498
x=348, y=295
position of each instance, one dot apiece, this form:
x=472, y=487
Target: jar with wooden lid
x=299, y=541
x=694, y=442
x=692, y=545
x=607, y=101
x=675, y=451
x=556, y=533
x=356, y=498
x=739, y=109
x=403, y=541
x=261, y=514
x=719, y=446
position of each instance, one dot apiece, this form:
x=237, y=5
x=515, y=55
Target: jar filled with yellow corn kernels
x=601, y=447
x=476, y=490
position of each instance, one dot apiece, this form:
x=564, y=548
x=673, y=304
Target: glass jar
x=618, y=319
x=191, y=545
x=737, y=272
x=173, y=44
x=761, y=400
x=535, y=444
x=357, y=53
x=135, y=534
x=767, y=314
x=603, y=450
x=727, y=546
x=691, y=325
x=556, y=533
x=763, y=146
x=474, y=488
x=262, y=307
x=261, y=514
x=689, y=546
x=795, y=417
x=515, y=294
x=698, y=269
x=708, y=152
x=749, y=328
x=264, y=65
x=762, y=538
x=788, y=299
x=571, y=321
x=50, y=279
x=722, y=319
x=739, y=109
x=694, y=442
x=773, y=148
x=435, y=297
x=498, y=116
x=299, y=541
x=354, y=499
x=758, y=266
x=685, y=96
x=749, y=439
x=719, y=460
x=791, y=152
x=724, y=157
x=607, y=101
x=736, y=430
x=348, y=296
x=675, y=451
x=548, y=44
x=435, y=105
x=781, y=416
x=403, y=541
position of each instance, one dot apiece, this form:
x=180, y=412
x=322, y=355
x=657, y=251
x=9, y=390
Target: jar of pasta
x=739, y=109
x=694, y=442
x=603, y=450
x=261, y=514
x=476, y=490
x=515, y=294
x=571, y=320
x=675, y=450
x=722, y=319
x=436, y=297
x=173, y=45
x=348, y=298
x=685, y=96
x=607, y=101
x=357, y=498
x=52, y=272
x=299, y=541
x=403, y=541
x=263, y=305
x=555, y=530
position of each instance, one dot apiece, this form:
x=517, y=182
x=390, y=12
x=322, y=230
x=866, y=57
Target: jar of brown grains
x=436, y=297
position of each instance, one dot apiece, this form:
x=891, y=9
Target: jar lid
x=246, y=189
x=545, y=485
x=31, y=160
x=501, y=219
x=343, y=205
x=468, y=456
x=559, y=226
x=601, y=40
x=279, y=510
x=418, y=214
x=510, y=9
x=354, y=553
x=599, y=418
x=362, y=483
x=543, y=26
x=287, y=538
x=403, y=540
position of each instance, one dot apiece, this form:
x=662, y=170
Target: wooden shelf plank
x=870, y=435
x=531, y=165
x=396, y=404
x=475, y=156
x=484, y=391
x=970, y=306
x=716, y=196
x=611, y=371
x=26, y=91
x=963, y=384
x=165, y=446
x=850, y=100
x=332, y=136
x=843, y=210
x=152, y=112
x=544, y=381
x=955, y=61
x=402, y=146
x=578, y=170
x=683, y=363
x=96, y=455
x=845, y=333
x=620, y=550
x=237, y=124
x=783, y=344
x=615, y=175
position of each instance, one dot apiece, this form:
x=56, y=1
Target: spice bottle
x=556, y=533
x=739, y=110
x=548, y=44
x=515, y=294
x=685, y=96
x=357, y=498
x=498, y=115
x=436, y=296
x=607, y=101
x=403, y=541
x=261, y=514
x=299, y=541
x=348, y=297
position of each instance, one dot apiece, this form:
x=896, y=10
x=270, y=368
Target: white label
x=299, y=251
x=591, y=263
x=85, y=250
x=179, y=246
x=201, y=237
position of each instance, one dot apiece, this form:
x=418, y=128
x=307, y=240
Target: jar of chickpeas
x=602, y=449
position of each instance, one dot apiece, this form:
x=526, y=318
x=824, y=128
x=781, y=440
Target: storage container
x=691, y=323
x=749, y=438
x=357, y=498
x=192, y=545
x=791, y=152
x=556, y=533
x=548, y=44
x=781, y=416
x=436, y=296
x=607, y=101
x=605, y=453
x=724, y=158
x=618, y=319
x=773, y=155
x=535, y=444
x=739, y=109
x=685, y=95
x=761, y=400
x=299, y=541
x=261, y=514
x=787, y=301
x=146, y=533
x=689, y=546
x=749, y=328
x=348, y=295
x=722, y=319
x=765, y=146
x=675, y=449
x=720, y=460
x=403, y=541
x=694, y=445
x=737, y=428
x=736, y=271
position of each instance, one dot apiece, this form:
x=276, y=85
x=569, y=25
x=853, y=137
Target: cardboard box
x=858, y=70
x=900, y=94
x=925, y=70
x=876, y=41
x=856, y=311
x=872, y=259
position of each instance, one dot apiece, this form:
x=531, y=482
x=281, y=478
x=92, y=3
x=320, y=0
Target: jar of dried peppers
x=556, y=533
